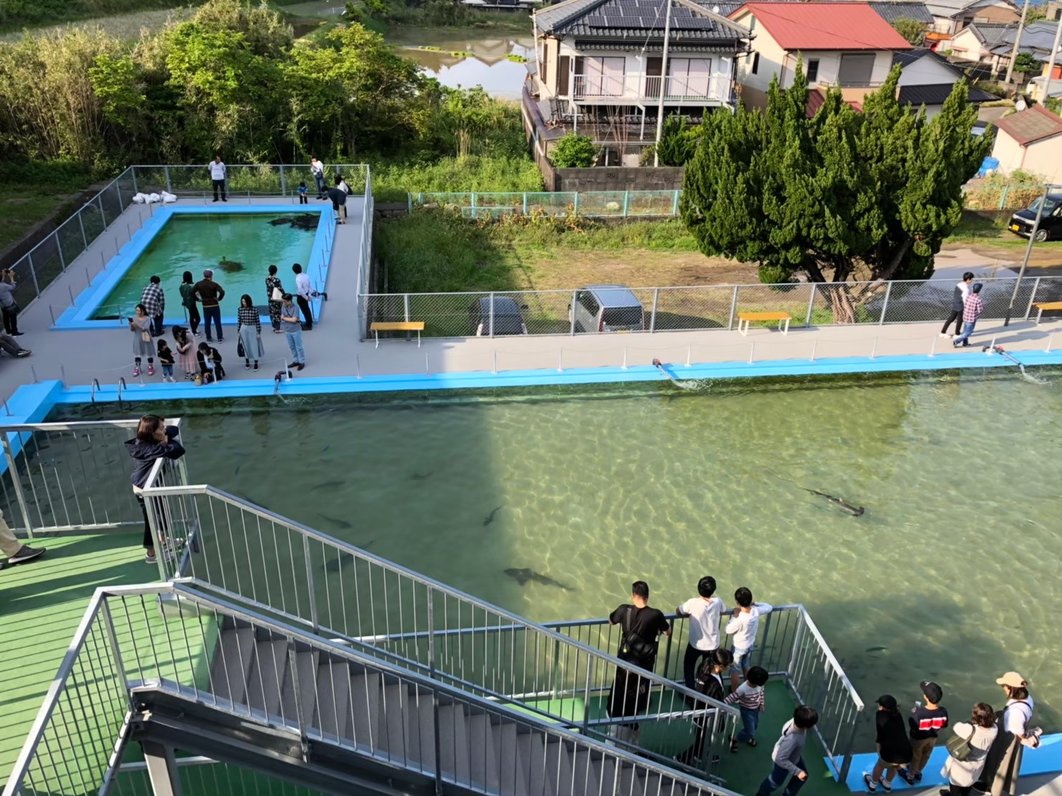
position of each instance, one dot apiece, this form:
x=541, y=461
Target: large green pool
x=193, y=242
x=953, y=573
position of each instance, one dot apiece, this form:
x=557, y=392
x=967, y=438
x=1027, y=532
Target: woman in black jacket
x=154, y=440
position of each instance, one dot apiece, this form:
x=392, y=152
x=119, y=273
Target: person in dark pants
x=703, y=611
x=154, y=440
x=217, y=177
x=787, y=756
x=188, y=302
x=302, y=296
x=958, y=303
x=641, y=625
x=708, y=680
x=154, y=300
x=894, y=747
x=210, y=294
x=8, y=306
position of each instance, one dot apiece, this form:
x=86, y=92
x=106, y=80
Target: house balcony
x=640, y=89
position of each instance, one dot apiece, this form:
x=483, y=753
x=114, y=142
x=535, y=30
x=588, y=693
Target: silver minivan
x=606, y=308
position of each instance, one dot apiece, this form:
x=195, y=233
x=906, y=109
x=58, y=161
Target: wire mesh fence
x=265, y=179
x=662, y=309
x=596, y=204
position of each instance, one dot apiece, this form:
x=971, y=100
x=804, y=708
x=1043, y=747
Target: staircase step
x=604, y=770
x=585, y=780
x=453, y=742
x=266, y=678
x=393, y=721
x=333, y=697
x=365, y=706
x=513, y=779
x=420, y=728
x=483, y=761
x=232, y=663
x=559, y=768
x=531, y=757
x=300, y=689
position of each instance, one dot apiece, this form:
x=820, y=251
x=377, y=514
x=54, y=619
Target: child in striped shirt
x=749, y=698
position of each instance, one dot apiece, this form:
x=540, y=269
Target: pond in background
x=487, y=61
x=953, y=573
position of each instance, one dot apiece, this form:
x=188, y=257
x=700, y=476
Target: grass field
x=23, y=204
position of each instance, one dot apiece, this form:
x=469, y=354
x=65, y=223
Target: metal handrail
x=561, y=655
x=153, y=647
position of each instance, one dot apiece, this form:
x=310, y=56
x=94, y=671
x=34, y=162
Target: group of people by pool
x=983, y=753
x=202, y=362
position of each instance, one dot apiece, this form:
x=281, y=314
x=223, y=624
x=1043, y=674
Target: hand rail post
x=575, y=294
x=166, y=172
x=33, y=273
x=310, y=583
x=733, y=308
x=492, y=313
x=885, y=306
x=116, y=651
x=16, y=482
x=586, y=695
x=1032, y=298
x=811, y=304
x=652, y=317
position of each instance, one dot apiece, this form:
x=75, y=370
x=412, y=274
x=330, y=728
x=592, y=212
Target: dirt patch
x=564, y=269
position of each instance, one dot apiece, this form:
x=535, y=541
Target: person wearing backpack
x=1003, y=764
x=962, y=771
x=708, y=680
x=641, y=626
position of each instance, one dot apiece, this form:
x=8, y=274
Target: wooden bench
x=744, y=318
x=1046, y=305
x=396, y=326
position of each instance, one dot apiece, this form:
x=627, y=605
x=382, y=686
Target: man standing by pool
x=302, y=295
x=217, y=177
x=210, y=293
x=317, y=170
x=154, y=300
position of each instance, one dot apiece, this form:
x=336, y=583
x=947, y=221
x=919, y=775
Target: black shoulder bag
x=633, y=644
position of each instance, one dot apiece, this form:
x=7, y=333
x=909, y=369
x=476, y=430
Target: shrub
x=574, y=151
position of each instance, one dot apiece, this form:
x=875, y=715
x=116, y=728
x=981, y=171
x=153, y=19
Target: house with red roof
x=1030, y=140
x=845, y=44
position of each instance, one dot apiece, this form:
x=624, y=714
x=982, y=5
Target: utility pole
x=1051, y=62
x=1028, y=253
x=1017, y=41
x=663, y=86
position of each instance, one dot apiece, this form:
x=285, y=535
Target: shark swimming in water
x=523, y=575
x=839, y=502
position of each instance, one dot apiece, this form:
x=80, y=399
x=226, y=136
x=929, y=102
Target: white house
x=951, y=16
x=926, y=80
x=1031, y=141
x=974, y=43
x=839, y=43
x=596, y=53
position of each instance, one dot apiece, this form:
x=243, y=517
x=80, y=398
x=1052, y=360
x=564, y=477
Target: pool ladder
x=95, y=387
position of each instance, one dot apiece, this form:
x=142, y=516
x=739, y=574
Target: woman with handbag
x=275, y=297
x=968, y=749
x=1003, y=764
x=143, y=345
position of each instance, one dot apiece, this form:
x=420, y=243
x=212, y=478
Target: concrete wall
x=1008, y=151
x=618, y=178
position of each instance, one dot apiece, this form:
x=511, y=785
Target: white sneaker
x=945, y=334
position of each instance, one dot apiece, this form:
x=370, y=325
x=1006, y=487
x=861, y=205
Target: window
x=856, y=69
x=689, y=77
x=599, y=76
x=813, y=70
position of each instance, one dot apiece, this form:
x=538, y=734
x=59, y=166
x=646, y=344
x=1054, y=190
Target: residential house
x=889, y=10
x=1031, y=141
x=951, y=16
x=926, y=80
x=975, y=42
x=1036, y=39
x=840, y=44
x=600, y=59
x=1053, y=10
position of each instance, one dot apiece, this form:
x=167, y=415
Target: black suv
x=1021, y=223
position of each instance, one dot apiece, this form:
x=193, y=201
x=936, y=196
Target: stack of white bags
x=151, y=198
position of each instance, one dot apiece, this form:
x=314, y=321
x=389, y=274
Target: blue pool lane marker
x=1046, y=759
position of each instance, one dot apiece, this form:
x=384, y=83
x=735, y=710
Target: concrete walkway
x=333, y=349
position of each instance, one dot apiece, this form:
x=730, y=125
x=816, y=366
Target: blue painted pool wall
x=79, y=315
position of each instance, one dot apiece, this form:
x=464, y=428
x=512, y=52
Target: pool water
x=952, y=573
x=194, y=242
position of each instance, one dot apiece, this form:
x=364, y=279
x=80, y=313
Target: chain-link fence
x=663, y=309
x=596, y=204
x=266, y=179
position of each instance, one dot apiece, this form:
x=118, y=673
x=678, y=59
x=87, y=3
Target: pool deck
x=337, y=360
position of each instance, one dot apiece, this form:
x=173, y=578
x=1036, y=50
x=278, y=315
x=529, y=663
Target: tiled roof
x=905, y=59
x=1032, y=125
x=892, y=11
x=637, y=20
x=936, y=94
x=952, y=8
x=826, y=26
x=991, y=33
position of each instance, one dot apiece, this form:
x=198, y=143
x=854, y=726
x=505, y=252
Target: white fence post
x=652, y=317
x=885, y=306
x=572, y=311
x=811, y=304
x=733, y=309
x=1032, y=297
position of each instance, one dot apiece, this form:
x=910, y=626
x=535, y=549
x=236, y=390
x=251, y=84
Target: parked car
x=606, y=308
x=508, y=318
x=1021, y=223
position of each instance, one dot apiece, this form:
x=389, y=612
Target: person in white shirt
x=703, y=612
x=302, y=296
x=744, y=622
x=217, y=177
x=317, y=169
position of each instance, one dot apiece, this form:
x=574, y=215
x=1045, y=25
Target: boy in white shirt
x=743, y=624
x=217, y=177
x=703, y=612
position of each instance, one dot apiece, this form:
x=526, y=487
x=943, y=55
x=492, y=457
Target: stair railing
x=247, y=553
x=137, y=641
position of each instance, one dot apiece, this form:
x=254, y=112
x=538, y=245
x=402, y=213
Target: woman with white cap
x=1004, y=758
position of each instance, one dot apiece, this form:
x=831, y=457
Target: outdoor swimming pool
x=238, y=244
x=953, y=573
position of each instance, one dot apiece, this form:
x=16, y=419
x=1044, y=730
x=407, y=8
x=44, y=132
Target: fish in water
x=335, y=521
x=237, y=470
x=523, y=575
x=228, y=266
x=841, y=503
x=422, y=476
x=876, y=649
x=336, y=564
x=490, y=517
x=326, y=485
